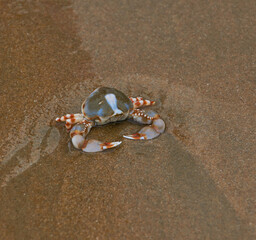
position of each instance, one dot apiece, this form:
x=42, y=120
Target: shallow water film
x=196, y=59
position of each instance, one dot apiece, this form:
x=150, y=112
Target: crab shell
x=106, y=105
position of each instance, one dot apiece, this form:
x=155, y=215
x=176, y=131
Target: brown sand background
x=196, y=58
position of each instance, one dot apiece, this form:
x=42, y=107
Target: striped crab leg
x=70, y=116
x=70, y=119
x=140, y=102
x=78, y=134
x=155, y=128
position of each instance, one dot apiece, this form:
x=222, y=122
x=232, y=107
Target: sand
x=196, y=59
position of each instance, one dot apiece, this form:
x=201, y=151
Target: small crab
x=105, y=105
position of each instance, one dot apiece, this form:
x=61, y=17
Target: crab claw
x=97, y=146
x=149, y=132
x=135, y=136
x=108, y=145
x=92, y=145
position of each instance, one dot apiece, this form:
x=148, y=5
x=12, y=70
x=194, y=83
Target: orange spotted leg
x=140, y=102
x=78, y=134
x=155, y=128
x=70, y=119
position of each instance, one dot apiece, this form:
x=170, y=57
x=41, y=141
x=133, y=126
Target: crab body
x=105, y=105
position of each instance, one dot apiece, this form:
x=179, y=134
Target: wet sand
x=195, y=58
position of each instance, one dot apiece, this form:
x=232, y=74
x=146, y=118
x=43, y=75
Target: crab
x=105, y=105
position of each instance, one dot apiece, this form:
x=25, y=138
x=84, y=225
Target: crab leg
x=77, y=116
x=139, y=102
x=78, y=134
x=70, y=119
x=155, y=128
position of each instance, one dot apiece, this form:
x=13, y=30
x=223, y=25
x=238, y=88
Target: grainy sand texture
x=195, y=58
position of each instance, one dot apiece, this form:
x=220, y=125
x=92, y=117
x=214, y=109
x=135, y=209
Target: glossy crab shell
x=106, y=105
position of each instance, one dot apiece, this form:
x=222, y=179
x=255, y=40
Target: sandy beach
x=196, y=59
